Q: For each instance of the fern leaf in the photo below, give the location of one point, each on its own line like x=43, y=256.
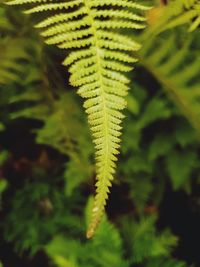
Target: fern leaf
x=189, y=12
x=178, y=13
x=11, y=51
x=180, y=80
x=97, y=65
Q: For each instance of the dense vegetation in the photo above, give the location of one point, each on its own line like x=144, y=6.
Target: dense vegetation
x=47, y=158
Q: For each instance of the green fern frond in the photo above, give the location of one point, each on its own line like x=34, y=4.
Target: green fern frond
x=11, y=52
x=188, y=12
x=180, y=80
x=143, y=242
x=180, y=12
x=97, y=65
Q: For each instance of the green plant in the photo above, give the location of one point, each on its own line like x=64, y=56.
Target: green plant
x=140, y=237
x=49, y=217
x=182, y=12
x=94, y=35
x=179, y=80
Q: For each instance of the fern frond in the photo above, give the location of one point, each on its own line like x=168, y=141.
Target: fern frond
x=180, y=12
x=11, y=52
x=97, y=65
x=178, y=74
x=188, y=11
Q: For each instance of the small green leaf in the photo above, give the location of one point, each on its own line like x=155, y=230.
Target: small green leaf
x=133, y=105
x=2, y=127
x=3, y=185
x=3, y=157
x=180, y=166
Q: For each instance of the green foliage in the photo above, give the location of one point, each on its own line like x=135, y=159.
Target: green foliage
x=51, y=215
x=67, y=252
x=3, y=187
x=96, y=67
x=140, y=238
x=37, y=99
x=182, y=12
x=147, y=161
x=175, y=13
x=3, y=157
x=3, y=183
x=180, y=166
x=144, y=243
x=42, y=208
x=181, y=81
x=62, y=122
x=11, y=67
x=166, y=263
x=62, y=118
x=15, y=50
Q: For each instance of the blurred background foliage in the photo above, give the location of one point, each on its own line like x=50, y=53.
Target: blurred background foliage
x=46, y=155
